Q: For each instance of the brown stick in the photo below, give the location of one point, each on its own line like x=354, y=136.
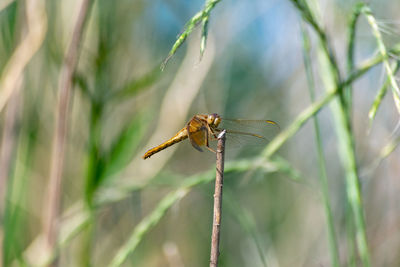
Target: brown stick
x=219, y=181
x=53, y=199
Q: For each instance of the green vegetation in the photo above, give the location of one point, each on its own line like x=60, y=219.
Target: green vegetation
x=90, y=81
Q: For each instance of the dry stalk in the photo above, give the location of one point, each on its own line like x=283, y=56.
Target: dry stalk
x=53, y=198
x=219, y=181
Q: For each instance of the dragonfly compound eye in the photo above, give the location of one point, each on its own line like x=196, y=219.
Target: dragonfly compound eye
x=210, y=119
x=217, y=120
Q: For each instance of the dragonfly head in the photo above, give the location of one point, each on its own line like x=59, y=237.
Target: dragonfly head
x=214, y=119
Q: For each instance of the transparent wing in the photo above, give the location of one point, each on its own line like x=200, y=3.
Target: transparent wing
x=247, y=135
x=252, y=124
x=257, y=130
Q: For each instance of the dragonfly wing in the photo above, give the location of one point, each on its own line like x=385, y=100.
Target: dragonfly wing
x=256, y=136
x=240, y=140
x=249, y=135
x=197, y=133
x=254, y=124
x=251, y=128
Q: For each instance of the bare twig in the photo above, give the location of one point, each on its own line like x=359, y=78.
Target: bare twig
x=219, y=181
x=52, y=210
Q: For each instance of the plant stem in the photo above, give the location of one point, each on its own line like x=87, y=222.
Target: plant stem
x=52, y=209
x=320, y=153
x=219, y=181
x=331, y=77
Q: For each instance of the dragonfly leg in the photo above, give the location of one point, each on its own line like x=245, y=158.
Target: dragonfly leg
x=212, y=133
x=212, y=150
x=213, y=136
x=208, y=136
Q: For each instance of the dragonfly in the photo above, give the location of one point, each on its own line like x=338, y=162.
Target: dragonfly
x=205, y=127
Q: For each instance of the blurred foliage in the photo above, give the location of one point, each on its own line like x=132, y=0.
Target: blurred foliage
x=122, y=210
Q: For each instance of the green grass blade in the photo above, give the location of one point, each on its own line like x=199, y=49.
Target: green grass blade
x=347, y=153
x=204, y=34
x=350, y=51
x=246, y=221
x=293, y=128
x=124, y=146
x=331, y=78
x=135, y=86
x=146, y=225
x=201, y=16
x=381, y=93
x=334, y=253
x=383, y=51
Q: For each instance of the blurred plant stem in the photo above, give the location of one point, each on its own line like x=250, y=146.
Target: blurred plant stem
x=5, y=3
x=331, y=77
x=380, y=94
x=203, y=17
x=313, y=109
x=366, y=11
x=93, y=178
x=8, y=144
x=94, y=168
x=53, y=199
x=335, y=258
x=7, y=156
x=246, y=220
x=350, y=64
x=87, y=239
x=36, y=27
x=22, y=44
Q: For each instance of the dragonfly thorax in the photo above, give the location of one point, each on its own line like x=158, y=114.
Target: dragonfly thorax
x=214, y=120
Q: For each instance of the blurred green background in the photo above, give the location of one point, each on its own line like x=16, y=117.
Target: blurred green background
x=121, y=104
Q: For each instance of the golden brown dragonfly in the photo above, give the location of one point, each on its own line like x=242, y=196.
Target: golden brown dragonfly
x=202, y=128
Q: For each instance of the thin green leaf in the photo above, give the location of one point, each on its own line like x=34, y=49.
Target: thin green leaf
x=331, y=78
x=381, y=93
x=383, y=51
x=323, y=177
x=350, y=51
x=389, y=148
x=201, y=16
x=124, y=147
x=147, y=224
x=300, y=120
x=133, y=87
x=204, y=33
x=246, y=221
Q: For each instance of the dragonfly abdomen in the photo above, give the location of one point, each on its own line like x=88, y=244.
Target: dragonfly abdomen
x=181, y=135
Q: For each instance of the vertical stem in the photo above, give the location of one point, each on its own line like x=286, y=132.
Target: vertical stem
x=219, y=180
x=53, y=198
x=354, y=195
x=320, y=153
x=7, y=154
x=341, y=112
x=7, y=148
x=350, y=53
